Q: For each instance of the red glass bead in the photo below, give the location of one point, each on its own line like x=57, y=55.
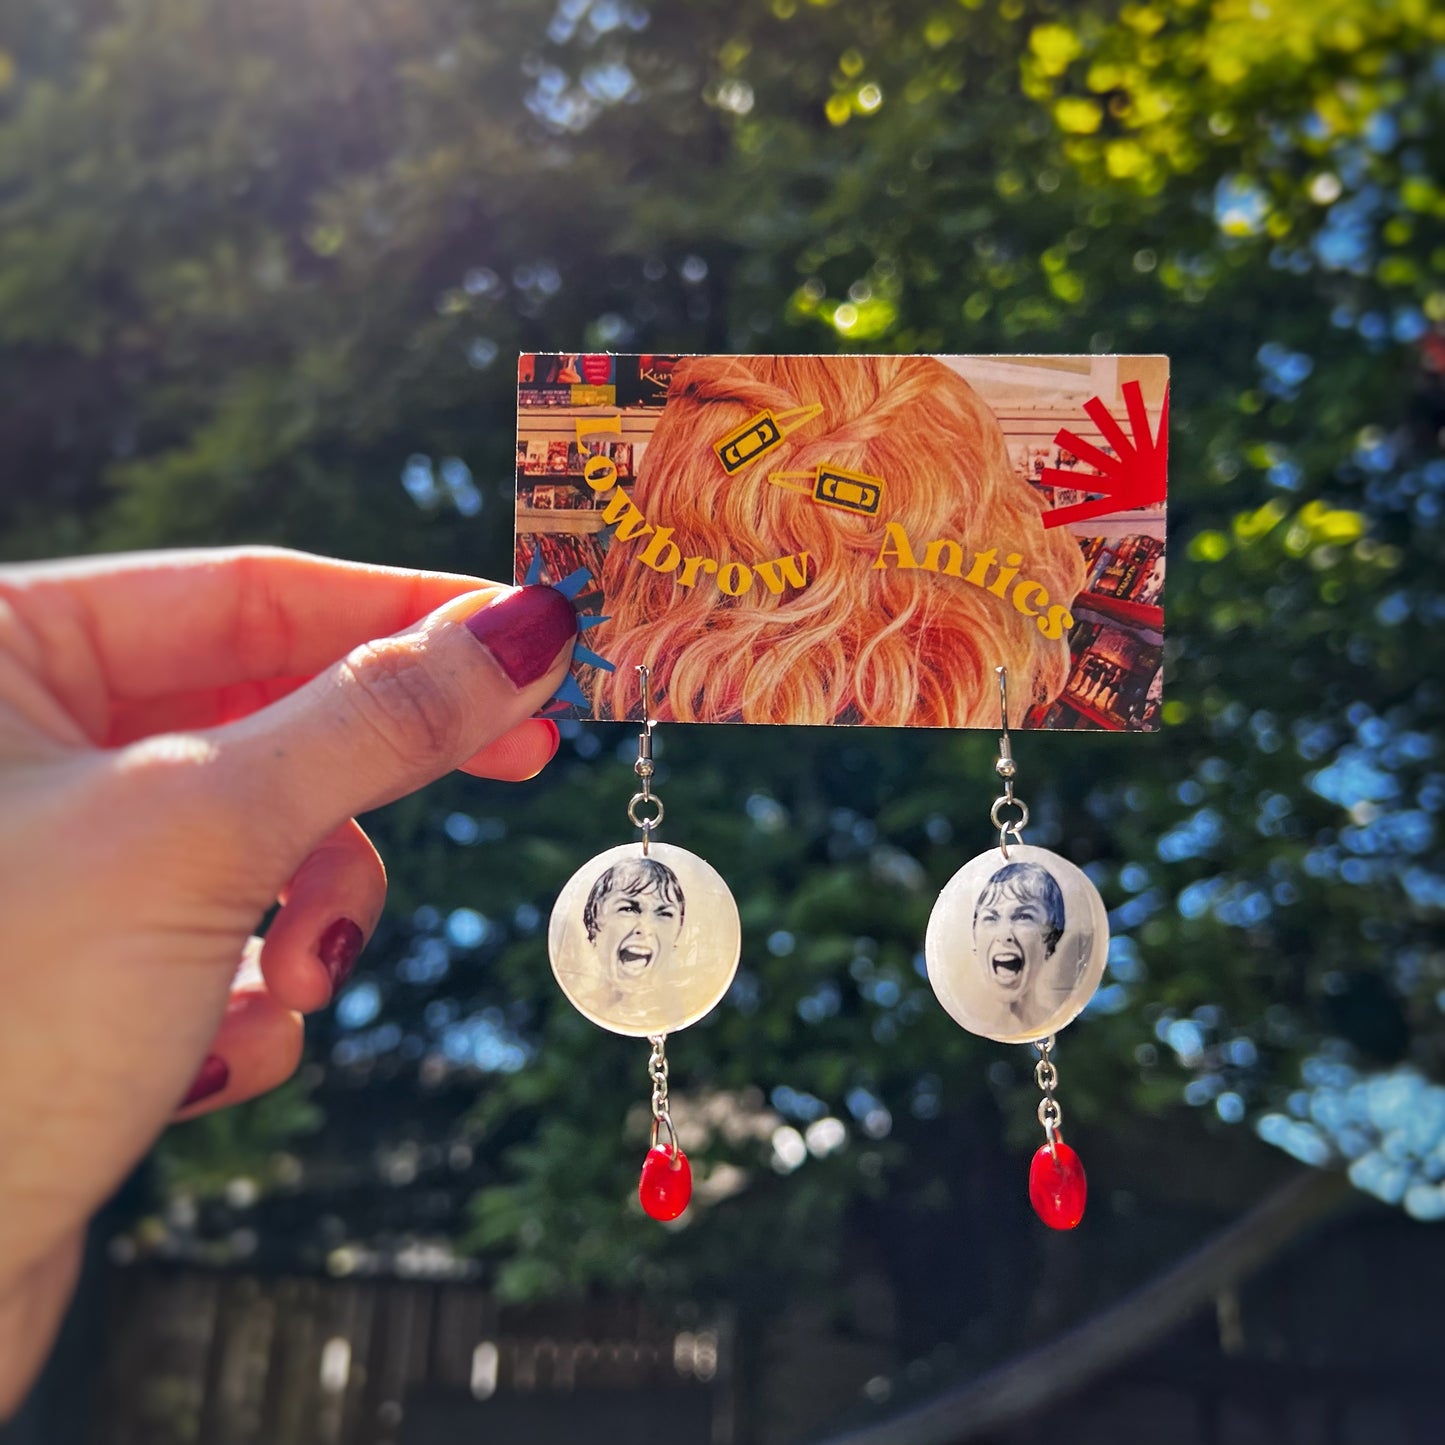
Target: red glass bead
x=666, y=1183
x=1057, y=1187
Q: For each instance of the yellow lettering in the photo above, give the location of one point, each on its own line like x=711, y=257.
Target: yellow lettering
x=630, y=522
x=944, y=555
x=982, y=561
x=1058, y=622
x=734, y=578
x=690, y=566
x=1006, y=574
x=587, y=425
x=937, y=551
x=662, y=553
x=1026, y=589
x=600, y=473
x=791, y=570
x=899, y=549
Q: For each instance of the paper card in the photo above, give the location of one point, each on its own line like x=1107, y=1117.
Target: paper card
x=858, y=540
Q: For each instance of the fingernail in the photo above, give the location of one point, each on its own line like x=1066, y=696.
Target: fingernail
x=213, y=1076
x=556, y=737
x=525, y=630
x=338, y=950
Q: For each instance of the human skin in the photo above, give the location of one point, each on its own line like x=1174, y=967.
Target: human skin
x=184, y=740
x=1010, y=938
x=636, y=932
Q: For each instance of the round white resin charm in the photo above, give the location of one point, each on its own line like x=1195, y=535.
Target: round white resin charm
x=645, y=945
x=1016, y=947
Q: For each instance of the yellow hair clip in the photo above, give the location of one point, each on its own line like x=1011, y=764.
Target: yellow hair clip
x=833, y=487
x=757, y=437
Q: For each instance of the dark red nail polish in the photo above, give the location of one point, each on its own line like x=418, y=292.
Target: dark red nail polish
x=339, y=949
x=213, y=1076
x=556, y=738
x=525, y=630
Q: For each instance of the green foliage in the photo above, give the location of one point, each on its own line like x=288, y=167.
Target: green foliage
x=257, y=263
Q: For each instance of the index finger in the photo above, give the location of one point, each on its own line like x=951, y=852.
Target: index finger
x=151, y=623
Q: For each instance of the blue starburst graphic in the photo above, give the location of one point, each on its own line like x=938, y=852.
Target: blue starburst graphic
x=570, y=693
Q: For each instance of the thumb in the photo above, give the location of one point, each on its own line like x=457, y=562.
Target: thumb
x=395, y=714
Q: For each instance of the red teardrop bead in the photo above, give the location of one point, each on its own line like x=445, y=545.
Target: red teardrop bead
x=666, y=1183
x=1057, y=1187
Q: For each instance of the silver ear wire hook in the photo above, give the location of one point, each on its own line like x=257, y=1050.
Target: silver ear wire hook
x=1007, y=769
x=644, y=677
x=643, y=767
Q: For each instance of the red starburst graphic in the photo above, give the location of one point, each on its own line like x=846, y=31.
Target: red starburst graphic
x=1136, y=476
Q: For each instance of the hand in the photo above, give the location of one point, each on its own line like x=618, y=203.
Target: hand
x=184, y=738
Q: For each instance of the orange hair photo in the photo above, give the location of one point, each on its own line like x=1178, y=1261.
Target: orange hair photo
x=822, y=540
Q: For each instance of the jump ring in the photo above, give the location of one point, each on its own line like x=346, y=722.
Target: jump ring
x=646, y=824
x=657, y=1122
x=995, y=815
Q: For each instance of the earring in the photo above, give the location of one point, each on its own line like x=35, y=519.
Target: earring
x=1015, y=948
x=644, y=940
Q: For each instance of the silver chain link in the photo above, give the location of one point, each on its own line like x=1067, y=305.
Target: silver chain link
x=1046, y=1076
x=661, y=1114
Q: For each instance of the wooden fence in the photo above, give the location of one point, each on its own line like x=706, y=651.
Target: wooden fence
x=195, y=1358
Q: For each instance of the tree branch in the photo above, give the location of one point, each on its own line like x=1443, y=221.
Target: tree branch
x=1033, y=1381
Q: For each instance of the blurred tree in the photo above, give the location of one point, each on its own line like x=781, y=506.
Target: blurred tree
x=262, y=271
